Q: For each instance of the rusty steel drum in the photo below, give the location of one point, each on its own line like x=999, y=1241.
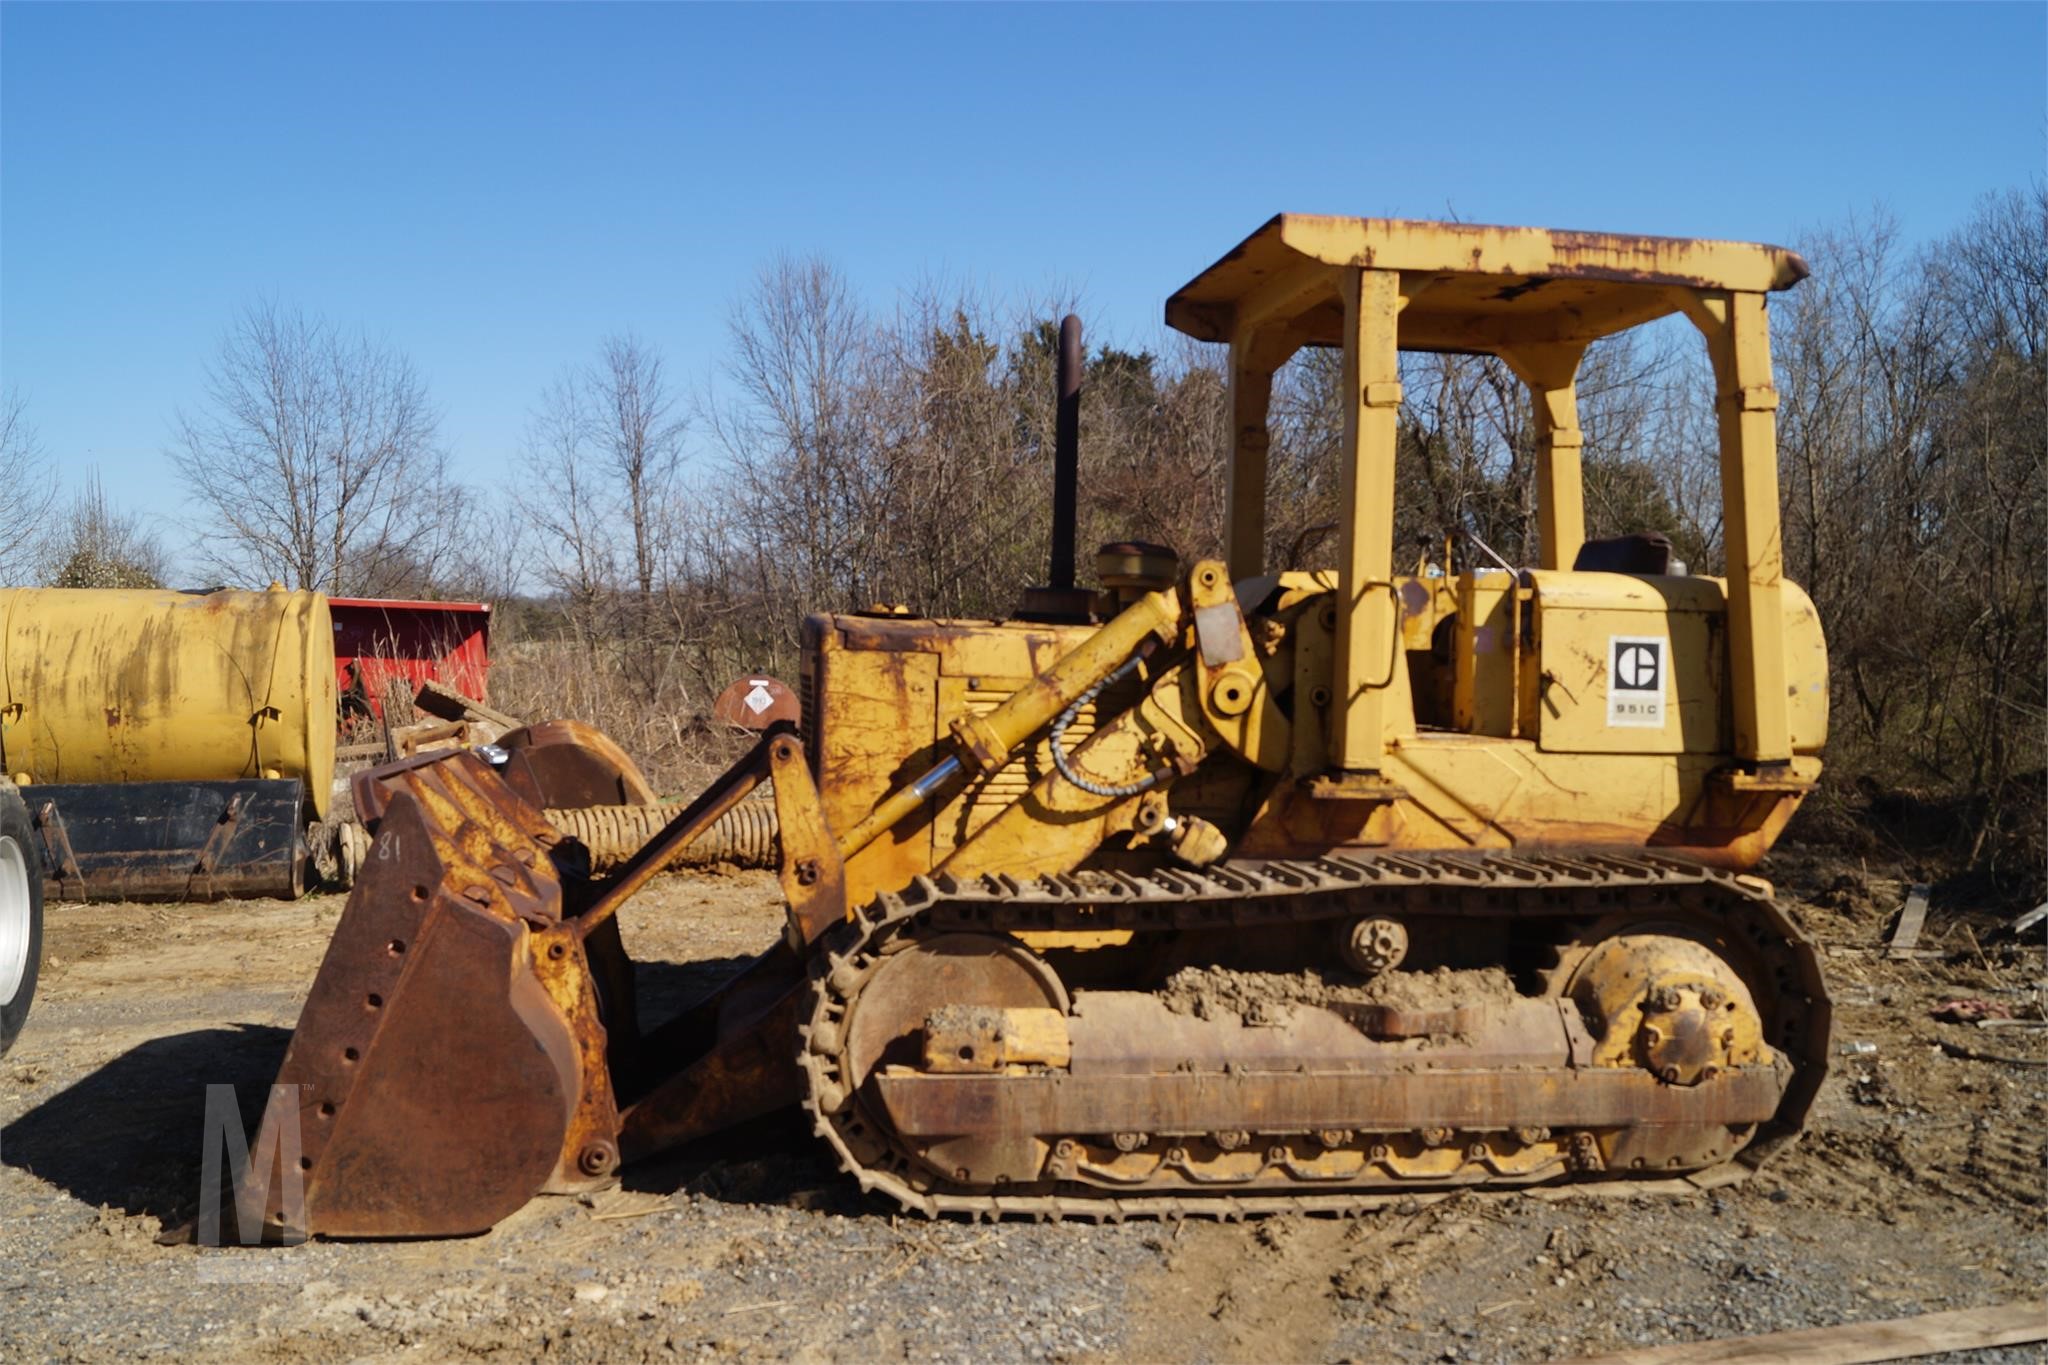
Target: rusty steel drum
x=755, y=702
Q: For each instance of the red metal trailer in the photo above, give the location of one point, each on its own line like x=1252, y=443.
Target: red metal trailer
x=377, y=640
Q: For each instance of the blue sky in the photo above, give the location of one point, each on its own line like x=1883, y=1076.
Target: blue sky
x=495, y=188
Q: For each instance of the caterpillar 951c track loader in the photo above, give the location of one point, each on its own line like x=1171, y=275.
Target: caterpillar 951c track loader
x=1223, y=890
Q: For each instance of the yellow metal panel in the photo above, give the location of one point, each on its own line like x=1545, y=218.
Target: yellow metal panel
x=965, y=649
x=1425, y=601
x=1575, y=649
x=876, y=710
x=1397, y=698
x=991, y=653
x=1629, y=592
x=1058, y=825
x=1483, y=693
x=1806, y=673
x=877, y=686
x=1006, y=651
x=1579, y=612
x=1285, y=295
x=1480, y=248
x=1465, y=784
x=110, y=685
x=1315, y=625
x=982, y=798
x=1468, y=313
x=1579, y=619
x=1508, y=793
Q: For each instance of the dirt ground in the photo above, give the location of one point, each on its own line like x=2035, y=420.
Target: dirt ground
x=1918, y=1188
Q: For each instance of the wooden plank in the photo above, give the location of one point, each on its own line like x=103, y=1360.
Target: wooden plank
x=1970, y=1054
x=1901, y=954
x=1910, y=920
x=438, y=699
x=2031, y=918
x=1967, y=1329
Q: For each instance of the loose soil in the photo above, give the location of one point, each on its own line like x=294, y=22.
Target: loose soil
x=1208, y=991
x=1919, y=1187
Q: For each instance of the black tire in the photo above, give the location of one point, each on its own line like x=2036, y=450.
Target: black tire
x=21, y=915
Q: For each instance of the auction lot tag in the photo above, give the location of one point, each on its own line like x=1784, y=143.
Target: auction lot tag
x=1635, y=680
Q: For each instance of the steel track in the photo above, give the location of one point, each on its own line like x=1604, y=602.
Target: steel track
x=1247, y=895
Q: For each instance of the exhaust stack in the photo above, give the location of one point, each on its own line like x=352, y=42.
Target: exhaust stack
x=1066, y=455
x=1060, y=600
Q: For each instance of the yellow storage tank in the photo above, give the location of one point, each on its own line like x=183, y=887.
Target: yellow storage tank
x=116, y=685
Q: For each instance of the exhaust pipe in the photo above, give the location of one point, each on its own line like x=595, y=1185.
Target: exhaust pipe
x=1066, y=456
x=1060, y=600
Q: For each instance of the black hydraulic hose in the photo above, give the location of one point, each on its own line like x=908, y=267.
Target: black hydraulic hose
x=1065, y=764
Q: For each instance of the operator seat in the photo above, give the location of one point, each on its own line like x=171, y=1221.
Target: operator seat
x=1646, y=552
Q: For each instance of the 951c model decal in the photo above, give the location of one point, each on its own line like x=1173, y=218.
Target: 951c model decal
x=1636, y=665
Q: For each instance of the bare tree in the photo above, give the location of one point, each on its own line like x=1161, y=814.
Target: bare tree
x=316, y=456
x=603, y=450
x=26, y=487
x=94, y=545
x=800, y=440
x=640, y=437
x=562, y=496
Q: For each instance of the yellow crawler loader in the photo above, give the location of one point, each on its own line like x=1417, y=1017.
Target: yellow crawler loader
x=1218, y=891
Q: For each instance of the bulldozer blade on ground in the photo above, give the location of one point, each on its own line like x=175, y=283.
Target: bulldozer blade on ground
x=464, y=1045
x=170, y=841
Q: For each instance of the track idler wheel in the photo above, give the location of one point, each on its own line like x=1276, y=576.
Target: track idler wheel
x=1679, y=1010
x=961, y=993
x=1670, y=1005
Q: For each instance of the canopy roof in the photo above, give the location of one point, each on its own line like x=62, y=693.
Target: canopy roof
x=1492, y=287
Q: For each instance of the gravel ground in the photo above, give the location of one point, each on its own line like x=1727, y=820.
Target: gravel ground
x=1919, y=1188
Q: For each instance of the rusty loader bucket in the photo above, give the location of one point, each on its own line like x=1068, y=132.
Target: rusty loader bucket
x=470, y=1040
